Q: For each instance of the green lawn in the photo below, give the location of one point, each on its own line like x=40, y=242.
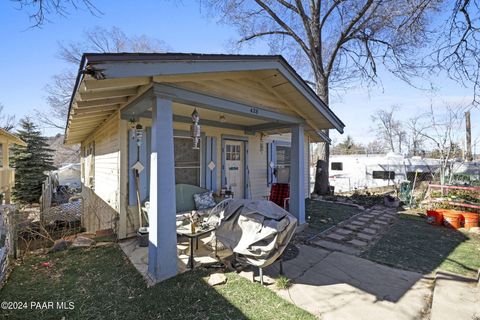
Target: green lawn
x=413, y=244
x=102, y=284
x=323, y=215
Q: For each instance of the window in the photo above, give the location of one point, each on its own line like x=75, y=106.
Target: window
x=89, y=165
x=282, y=170
x=384, y=175
x=232, y=152
x=336, y=166
x=283, y=157
x=419, y=176
x=187, y=161
x=1, y=155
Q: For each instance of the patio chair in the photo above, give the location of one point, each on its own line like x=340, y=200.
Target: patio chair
x=280, y=194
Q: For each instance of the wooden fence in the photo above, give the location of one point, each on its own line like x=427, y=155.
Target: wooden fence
x=46, y=197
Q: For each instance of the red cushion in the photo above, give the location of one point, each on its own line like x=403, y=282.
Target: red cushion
x=279, y=192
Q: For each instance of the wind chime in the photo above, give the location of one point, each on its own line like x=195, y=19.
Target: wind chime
x=195, y=129
x=137, y=135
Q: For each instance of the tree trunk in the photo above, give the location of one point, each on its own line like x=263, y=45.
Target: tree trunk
x=323, y=148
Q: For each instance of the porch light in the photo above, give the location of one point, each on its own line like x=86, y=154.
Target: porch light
x=195, y=129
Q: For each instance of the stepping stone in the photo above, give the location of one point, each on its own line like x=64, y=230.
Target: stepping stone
x=368, y=215
x=381, y=222
x=358, y=223
x=337, y=247
x=343, y=231
x=358, y=243
x=363, y=219
x=370, y=230
x=377, y=226
x=352, y=227
x=336, y=236
x=385, y=217
x=365, y=236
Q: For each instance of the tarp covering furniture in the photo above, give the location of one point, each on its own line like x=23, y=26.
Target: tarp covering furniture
x=256, y=230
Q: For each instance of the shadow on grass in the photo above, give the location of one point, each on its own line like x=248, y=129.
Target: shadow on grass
x=414, y=245
x=323, y=215
x=102, y=284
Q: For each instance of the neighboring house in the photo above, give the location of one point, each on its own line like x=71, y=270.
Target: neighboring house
x=7, y=174
x=257, y=119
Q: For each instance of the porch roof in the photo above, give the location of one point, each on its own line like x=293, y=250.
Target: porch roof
x=11, y=138
x=233, y=84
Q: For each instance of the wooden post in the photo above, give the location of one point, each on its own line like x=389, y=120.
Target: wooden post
x=468, y=128
x=297, y=174
x=6, y=167
x=162, y=248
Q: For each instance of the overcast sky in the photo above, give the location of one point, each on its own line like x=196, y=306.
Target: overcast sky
x=29, y=59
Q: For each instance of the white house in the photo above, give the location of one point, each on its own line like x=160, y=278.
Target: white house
x=256, y=114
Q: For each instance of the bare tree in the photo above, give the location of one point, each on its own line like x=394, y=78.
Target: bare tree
x=335, y=42
x=458, y=45
x=41, y=9
x=443, y=134
x=389, y=129
x=416, y=128
x=96, y=40
x=7, y=122
x=375, y=147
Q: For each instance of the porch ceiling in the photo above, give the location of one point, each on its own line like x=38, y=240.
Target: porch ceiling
x=110, y=83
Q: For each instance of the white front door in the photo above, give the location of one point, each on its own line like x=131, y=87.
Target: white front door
x=234, y=167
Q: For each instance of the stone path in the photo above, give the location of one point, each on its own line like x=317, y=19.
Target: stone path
x=356, y=234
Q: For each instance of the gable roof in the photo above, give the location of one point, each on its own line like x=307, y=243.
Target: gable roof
x=129, y=73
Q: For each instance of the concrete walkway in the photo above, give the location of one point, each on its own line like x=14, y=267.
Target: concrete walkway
x=334, y=285
x=455, y=297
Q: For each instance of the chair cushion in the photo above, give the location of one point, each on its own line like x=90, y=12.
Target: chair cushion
x=204, y=200
x=279, y=192
x=184, y=196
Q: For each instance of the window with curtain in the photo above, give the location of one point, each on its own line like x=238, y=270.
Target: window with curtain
x=187, y=161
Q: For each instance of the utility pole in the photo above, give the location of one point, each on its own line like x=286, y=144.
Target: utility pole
x=468, y=128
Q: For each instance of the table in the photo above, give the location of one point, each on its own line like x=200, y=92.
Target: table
x=185, y=231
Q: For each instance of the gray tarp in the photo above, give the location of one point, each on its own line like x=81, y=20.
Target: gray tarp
x=257, y=230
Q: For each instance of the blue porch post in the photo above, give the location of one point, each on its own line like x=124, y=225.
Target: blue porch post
x=162, y=248
x=297, y=174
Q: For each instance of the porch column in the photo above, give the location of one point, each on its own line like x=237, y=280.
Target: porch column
x=297, y=174
x=6, y=167
x=162, y=248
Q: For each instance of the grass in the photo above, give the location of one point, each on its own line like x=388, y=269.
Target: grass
x=102, y=284
x=413, y=244
x=323, y=215
x=282, y=283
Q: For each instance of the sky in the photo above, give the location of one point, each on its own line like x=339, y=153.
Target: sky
x=29, y=59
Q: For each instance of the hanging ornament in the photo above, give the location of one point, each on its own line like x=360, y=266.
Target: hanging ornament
x=195, y=129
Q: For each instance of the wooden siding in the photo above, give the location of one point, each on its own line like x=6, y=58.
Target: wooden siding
x=106, y=177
